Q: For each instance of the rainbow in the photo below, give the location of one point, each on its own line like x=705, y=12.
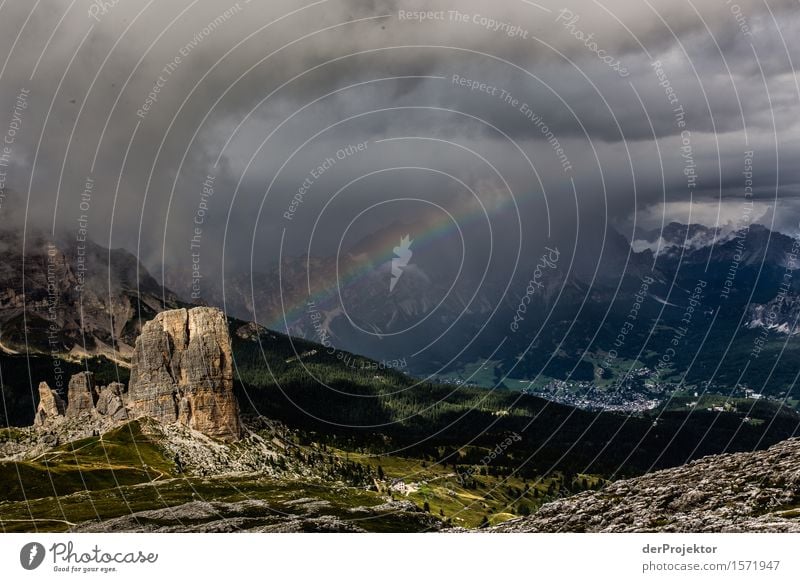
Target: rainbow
x=380, y=253
x=432, y=229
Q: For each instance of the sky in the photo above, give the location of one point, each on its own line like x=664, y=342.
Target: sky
x=216, y=137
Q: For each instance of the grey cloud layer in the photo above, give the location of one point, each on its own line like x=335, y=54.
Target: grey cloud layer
x=713, y=55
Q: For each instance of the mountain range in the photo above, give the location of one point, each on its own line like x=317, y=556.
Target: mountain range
x=455, y=329
x=326, y=434
x=69, y=297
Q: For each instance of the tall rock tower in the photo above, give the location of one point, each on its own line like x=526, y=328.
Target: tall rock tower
x=182, y=371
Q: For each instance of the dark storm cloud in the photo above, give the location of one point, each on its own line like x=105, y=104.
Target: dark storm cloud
x=619, y=131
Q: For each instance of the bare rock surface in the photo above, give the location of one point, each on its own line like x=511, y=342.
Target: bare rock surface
x=743, y=492
x=182, y=371
x=89, y=411
x=110, y=401
x=197, y=454
x=30, y=442
x=257, y=515
x=81, y=395
x=51, y=405
x=220, y=517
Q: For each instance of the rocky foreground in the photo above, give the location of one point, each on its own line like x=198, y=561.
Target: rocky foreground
x=303, y=515
x=744, y=492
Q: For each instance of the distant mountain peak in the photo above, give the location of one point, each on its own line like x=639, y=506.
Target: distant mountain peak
x=94, y=297
x=676, y=235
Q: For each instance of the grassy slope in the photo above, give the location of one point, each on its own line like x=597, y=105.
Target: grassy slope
x=123, y=456
x=125, y=471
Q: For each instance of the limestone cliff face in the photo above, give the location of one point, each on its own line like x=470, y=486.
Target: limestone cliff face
x=81, y=394
x=51, y=406
x=86, y=403
x=182, y=371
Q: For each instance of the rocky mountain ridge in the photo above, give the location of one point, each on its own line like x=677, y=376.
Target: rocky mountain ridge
x=742, y=492
x=73, y=298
